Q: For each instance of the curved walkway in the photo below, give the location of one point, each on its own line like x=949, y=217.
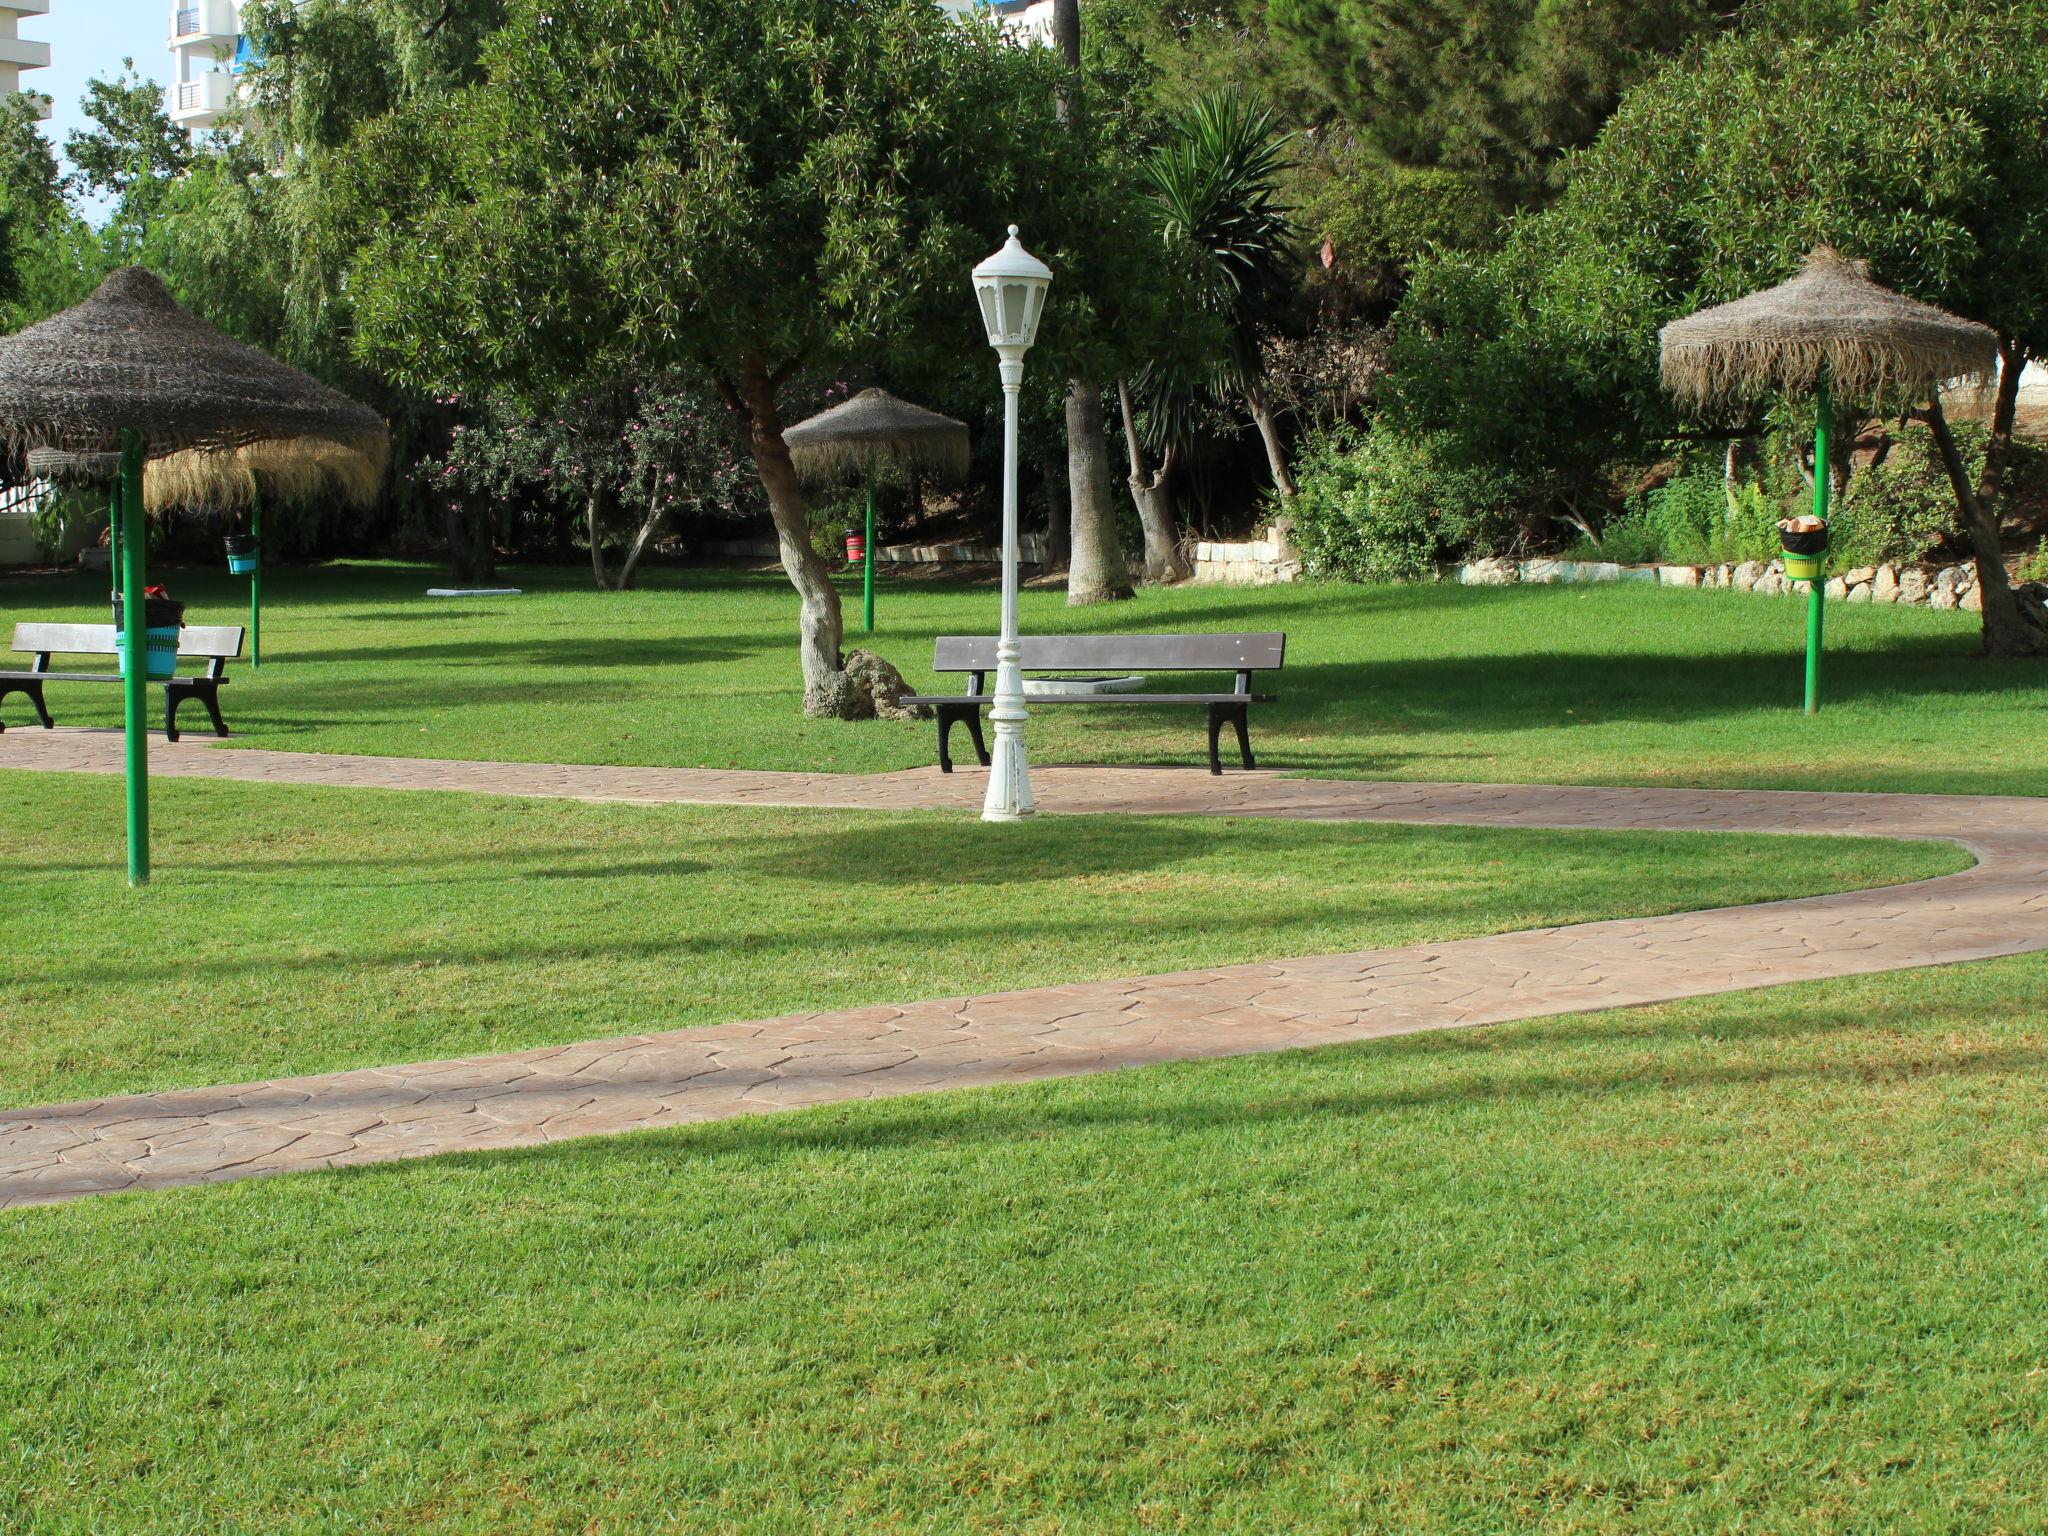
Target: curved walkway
x=2000, y=907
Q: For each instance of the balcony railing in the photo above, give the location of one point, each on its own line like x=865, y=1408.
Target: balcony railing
x=187, y=21
x=189, y=95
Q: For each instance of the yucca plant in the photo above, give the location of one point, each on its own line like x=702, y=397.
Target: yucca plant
x=1216, y=182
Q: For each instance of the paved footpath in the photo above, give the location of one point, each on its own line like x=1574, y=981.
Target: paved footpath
x=144, y=1141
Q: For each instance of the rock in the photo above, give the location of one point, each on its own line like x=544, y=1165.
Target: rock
x=1838, y=588
x=1746, y=575
x=1490, y=572
x=1678, y=575
x=1861, y=575
x=1550, y=572
x=1770, y=584
x=1948, y=578
x=1860, y=594
x=1941, y=599
x=1912, y=586
x=1972, y=601
x=868, y=689
x=1884, y=587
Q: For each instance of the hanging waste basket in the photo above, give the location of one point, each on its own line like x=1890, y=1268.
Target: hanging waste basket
x=162, y=620
x=1805, y=542
x=856, y=546
x=241, y=553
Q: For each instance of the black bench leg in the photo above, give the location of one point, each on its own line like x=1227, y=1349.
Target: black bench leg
x=968, y=715
x=1235, y=715
x=172, y=699
x=210, y=697
x=33, y=692
x=1216, y=714
x=1244, y=736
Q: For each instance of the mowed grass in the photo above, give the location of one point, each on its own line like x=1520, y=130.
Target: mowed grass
x=294, y=929
x=1621, y=684
x=1769, y=1262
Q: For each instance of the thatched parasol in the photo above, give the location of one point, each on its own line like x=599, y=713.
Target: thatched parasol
x=844, y=442
x=1828, y=324
x=1828, y=331
x=130, y=358
x=130, y=373
x=841, y=442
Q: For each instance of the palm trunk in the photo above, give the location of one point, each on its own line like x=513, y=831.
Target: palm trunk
x=1097, y=571
x=1152, y=492
x=2012, y=627
x=818, y=619
x=1269, y=434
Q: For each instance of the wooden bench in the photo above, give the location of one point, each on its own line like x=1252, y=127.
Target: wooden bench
x=216, y=645
x=1116, y=655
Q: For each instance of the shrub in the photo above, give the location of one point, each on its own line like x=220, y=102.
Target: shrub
x=1389, y=506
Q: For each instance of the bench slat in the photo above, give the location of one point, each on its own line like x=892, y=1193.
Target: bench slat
x=211, y=642
x=1032, y=701
x=1258, y=652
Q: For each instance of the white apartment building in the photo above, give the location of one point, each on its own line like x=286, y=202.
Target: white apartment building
x=17, y=52
x=208, y=53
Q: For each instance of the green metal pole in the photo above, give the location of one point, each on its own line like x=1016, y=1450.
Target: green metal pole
x=256, y=576
x=1816, y=590
x=135, y=654
x=867, y=578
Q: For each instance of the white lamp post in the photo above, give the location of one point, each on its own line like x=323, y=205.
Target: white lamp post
x=1010, y=287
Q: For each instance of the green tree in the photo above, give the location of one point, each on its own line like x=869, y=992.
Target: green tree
x=132, y=145
x=1916, y=141
x=743, y=191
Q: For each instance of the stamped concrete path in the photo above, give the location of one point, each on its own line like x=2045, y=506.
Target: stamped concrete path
x=2000, y=907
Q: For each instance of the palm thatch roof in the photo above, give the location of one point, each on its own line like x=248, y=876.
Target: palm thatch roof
x=1830, y=320
x=837, y=444
x=129, y=357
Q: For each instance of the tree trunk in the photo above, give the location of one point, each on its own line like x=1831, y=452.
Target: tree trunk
x=641, y=538
x=461, y=564
x=1097, y=571
x=2013, y=626
x=1152, y=491
x=818, y=618
x=1269, y=434
x=593, y=524
x=1059, y=512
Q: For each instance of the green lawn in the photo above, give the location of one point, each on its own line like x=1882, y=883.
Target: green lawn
x=1771, y=1262
x=1609, y=684
x=292, y=929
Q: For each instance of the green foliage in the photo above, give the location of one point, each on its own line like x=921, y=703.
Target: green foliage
x=2034, y=566
x=1915, y=140
x=1494, y=88
x=1382, y=506
x=648, y=185
x=132, y=145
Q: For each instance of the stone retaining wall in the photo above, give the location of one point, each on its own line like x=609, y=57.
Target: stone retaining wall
x=1948, y=586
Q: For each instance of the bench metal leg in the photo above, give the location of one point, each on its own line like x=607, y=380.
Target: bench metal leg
x=968, y=715
x=33, y=692
x=1235, y=715
x=178, y=692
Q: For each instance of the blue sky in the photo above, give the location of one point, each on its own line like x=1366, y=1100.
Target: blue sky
x=91, y=37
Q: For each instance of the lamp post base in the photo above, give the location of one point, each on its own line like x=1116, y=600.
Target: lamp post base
x=1009, y=777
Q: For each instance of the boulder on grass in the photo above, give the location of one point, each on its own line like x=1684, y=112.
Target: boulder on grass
x=868, y=688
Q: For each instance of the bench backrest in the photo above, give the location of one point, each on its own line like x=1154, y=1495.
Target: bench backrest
x=214, y=642
x=1117, y=653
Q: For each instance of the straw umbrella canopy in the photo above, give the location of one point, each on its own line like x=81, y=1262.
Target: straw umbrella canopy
x=1828, y=325
x=841, y=442
x=129, y=358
